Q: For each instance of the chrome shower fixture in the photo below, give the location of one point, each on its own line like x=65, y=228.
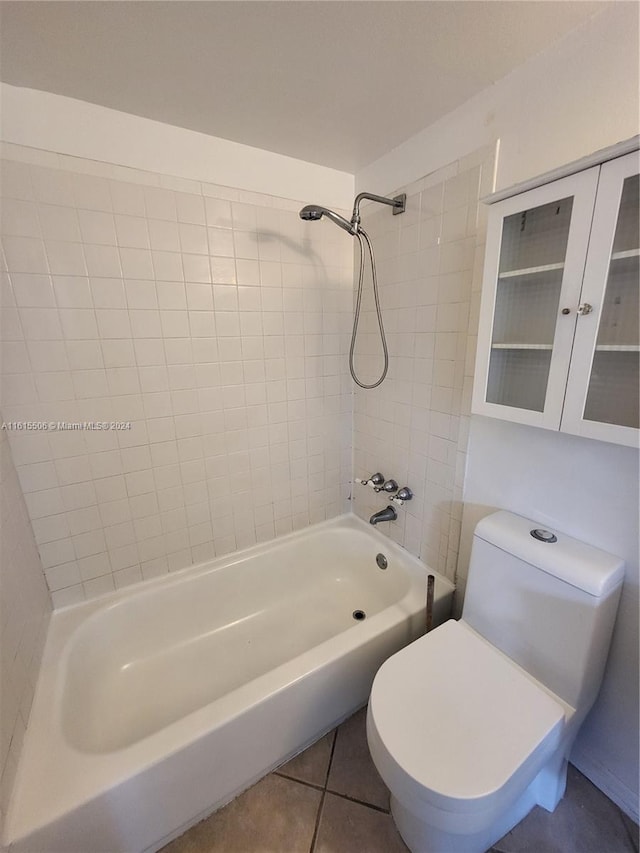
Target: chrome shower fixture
x=398, y=203
x=313, y=212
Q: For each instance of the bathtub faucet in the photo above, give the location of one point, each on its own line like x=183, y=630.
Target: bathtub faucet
x=387, y=514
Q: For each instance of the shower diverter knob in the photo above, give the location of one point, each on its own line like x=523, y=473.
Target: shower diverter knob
x=390, y=486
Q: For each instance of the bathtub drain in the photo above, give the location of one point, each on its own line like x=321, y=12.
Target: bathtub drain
x=359, y=615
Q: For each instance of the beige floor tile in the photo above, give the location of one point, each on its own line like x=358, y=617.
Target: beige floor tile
x=275, y=816
x=352, y=771
x=278, y=815
x=348, y=827
x=312, y=764
x=585, y=821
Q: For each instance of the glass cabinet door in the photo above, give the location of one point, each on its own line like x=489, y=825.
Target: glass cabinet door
x=532, y=257
x=536, y=245
x=603, y=394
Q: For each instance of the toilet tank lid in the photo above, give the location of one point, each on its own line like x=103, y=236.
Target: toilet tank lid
x=594, y=571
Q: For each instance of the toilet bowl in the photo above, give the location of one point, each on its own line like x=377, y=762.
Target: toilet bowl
x=467, y=726
x=449, y=703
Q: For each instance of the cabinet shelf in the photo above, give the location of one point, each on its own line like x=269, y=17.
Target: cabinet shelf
x=618, y=348
x=530, y=271
x=523, y=346
x=629, y=253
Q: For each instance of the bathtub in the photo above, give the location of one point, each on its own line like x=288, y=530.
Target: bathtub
x=160, y=703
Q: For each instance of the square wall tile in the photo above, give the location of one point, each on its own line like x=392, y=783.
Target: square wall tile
x=165, y=308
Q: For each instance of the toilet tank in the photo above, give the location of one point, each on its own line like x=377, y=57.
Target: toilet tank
x=549, y=605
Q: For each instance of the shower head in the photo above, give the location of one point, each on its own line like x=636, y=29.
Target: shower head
x=313, y=212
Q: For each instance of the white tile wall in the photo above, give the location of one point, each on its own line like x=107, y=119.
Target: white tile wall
x=25, y=608
x=414, y=427
x=213, y=320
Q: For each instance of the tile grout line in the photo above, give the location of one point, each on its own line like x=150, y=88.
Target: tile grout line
x=333, y=749
x=324, y=794
x=346, y=796
x=317, y=826
x=299, y=781
x=359, y=802
x=315, y=787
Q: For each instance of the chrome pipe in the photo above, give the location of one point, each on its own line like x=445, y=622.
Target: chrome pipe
x=398, y=203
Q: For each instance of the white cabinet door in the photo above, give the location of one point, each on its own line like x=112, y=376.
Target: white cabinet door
x=536, y=248
x=602, y=394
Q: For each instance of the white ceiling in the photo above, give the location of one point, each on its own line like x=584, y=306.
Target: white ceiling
x=337, y=83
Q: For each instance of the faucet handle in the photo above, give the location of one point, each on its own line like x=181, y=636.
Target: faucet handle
x=390, y=486
x=373, y=481
x=403, y=495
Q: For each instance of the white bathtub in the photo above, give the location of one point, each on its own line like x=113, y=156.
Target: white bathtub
x=158, y=704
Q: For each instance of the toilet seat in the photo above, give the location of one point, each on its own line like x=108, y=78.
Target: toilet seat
x=455, y=725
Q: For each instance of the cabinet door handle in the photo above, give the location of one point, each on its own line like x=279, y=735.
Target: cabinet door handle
x=566, y=311
x=585, y=309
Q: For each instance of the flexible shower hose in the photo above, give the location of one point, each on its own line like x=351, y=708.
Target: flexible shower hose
x=360, y=234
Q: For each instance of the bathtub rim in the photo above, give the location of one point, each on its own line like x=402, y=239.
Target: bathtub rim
x=118, y=765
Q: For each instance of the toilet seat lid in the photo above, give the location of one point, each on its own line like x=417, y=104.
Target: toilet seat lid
x=457, y=717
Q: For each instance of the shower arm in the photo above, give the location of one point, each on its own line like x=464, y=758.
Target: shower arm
x=398, y=203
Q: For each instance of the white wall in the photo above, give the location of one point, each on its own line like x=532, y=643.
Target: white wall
x=414, y=427
x=578, y=96
x=56, y=123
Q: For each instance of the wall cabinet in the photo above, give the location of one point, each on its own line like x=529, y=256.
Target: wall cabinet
x=558, y=342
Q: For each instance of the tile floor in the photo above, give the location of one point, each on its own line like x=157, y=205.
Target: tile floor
x=330, y=799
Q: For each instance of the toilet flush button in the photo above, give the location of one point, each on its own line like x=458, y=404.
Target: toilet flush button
x=544, y=535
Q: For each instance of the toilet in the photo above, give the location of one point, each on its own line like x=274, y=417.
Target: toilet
x=471, y=725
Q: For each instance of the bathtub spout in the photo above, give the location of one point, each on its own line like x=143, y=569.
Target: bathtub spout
x=388, y=514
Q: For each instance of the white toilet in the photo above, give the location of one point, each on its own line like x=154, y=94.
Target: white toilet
x=471, y=725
